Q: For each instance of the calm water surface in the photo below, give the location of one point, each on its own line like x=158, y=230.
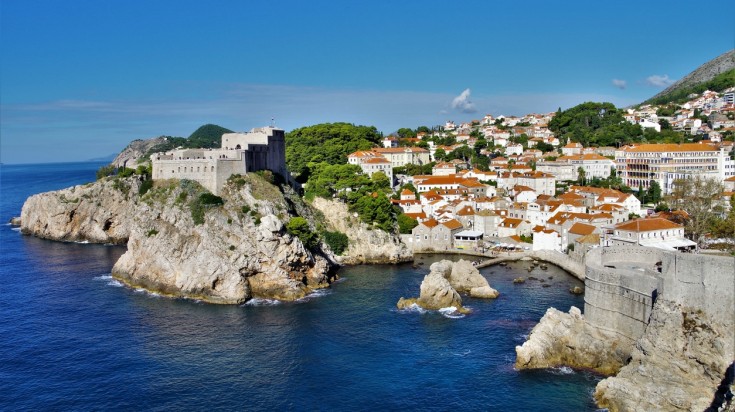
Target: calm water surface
x=71, y=338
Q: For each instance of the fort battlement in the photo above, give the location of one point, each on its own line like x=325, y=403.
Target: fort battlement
x=623, y=282
x=260, y=149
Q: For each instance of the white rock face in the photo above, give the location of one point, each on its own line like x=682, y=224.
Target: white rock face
x=233, y=256
x=99, y=212
x=676, y=366
x=564, y=339
x=365, y=245
x=440, y=287
x=437, y=293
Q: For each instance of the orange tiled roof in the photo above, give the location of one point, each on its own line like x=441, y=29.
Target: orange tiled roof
x=581, y=229
x=647, y=225
x=667, y=147
x=453, y=224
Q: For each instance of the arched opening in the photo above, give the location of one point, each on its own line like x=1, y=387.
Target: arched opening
x=238, y=147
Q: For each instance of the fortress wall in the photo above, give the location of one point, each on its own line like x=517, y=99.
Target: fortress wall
x=623, y=282
x=204, y=171
x=703, y=282
x=618, y=300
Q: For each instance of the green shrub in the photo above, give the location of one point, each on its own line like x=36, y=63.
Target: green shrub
x=145, y=187
x=337, y=241
x=151, y=232
x=299, y=227
x=209, y=199
x=105, y=171
x=246, y=209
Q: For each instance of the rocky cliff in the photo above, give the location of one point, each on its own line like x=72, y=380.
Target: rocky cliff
x=185, y=244
x=677, y=365
x=135, y=150
x=98, y=212
x=366, y=245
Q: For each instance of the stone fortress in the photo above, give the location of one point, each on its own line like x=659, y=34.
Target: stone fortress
x=261, y=148
x=622, y=284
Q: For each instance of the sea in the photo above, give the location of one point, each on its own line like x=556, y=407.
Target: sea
x=74, y=339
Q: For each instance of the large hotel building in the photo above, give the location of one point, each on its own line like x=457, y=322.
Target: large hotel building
x=664, y=163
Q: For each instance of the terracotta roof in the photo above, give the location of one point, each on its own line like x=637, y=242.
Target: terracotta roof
x=466, y=211
x=407, y=192
x=511, y=222
x=430, y=223
x=378, y=159
x=591, y=239
x=416, y=216
x=453, y=224
x=730, y=179
x=684, y=147
x=581, y=229
x=647, y=225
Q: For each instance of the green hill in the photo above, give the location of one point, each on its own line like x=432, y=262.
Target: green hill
x=208, y=136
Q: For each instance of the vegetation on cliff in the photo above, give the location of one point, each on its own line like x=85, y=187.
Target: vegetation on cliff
x=327, y=142
x=680, y=95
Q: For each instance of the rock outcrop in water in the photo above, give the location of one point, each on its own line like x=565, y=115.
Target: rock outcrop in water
x=441, y=287
x=676, y=366
x=662, y=322
x=564, y=339
x=180, y=246
x=99, y=212
x=366, y=245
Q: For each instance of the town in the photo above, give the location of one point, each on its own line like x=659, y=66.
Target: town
x=518, y=183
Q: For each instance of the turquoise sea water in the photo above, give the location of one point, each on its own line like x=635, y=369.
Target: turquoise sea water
x=71, y=338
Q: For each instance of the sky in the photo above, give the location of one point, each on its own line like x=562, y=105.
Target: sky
x=81, y=79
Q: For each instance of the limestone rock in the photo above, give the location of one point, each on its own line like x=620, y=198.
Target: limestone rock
x=404, y=303
x=564, y=339
x=484, y=292
x=366, y=245
x=437, y=293
x=100, y=212
x=676, y=366
x=465, y=278
x=136, y=150
x=229, y=258
x=15, y=221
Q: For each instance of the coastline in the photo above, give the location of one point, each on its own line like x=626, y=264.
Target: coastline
x=574, y=268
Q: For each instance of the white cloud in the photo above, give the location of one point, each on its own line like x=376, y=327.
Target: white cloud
x=620, y=84
x=463, y=103
x=659, y=81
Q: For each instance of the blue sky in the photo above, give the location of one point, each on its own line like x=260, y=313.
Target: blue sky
x=81, y=79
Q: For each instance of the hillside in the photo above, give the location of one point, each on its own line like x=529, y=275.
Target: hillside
x=717, y=74
x=208, y=136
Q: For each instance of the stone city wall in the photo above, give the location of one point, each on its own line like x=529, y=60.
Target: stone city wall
x=623, y=282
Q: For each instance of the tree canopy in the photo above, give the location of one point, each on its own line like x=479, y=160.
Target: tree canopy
x=594, y=124
x=326, y=142
x=207, y=136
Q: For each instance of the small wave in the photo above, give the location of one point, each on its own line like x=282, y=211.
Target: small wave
x=15, y=229
x=451, y=313
x=562, y=370
x=110, y=281
x=313, y=295
x=262, y=302
x=463, y=354
x=413, y=308
x=82, y=242
x=147, y=292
